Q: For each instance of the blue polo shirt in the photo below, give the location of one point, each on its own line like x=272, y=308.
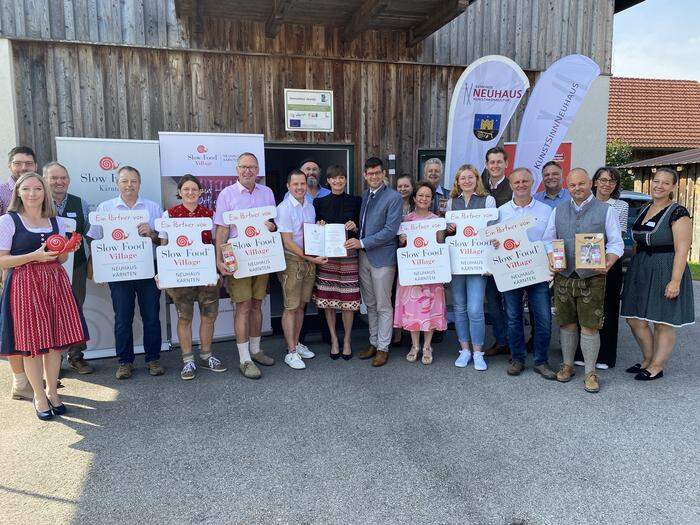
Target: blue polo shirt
x=563, y=195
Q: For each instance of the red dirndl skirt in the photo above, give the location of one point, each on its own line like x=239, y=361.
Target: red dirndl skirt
x=45, y=315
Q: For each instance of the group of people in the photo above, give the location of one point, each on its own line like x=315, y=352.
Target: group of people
x=42, y=315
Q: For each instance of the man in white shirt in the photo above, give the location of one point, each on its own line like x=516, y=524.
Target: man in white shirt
x=523, y=204
x=298, y=278
x=579, y=293
x=124, y=293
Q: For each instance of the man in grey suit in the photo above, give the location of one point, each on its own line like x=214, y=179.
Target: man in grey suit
x=380, y=218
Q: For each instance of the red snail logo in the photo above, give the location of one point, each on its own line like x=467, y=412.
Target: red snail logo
x=108, y=164
x=201, y=149
x=510, y=244
x=183, y=241
x=251, y=231
x=56, y=243
x=469, y=231
x=119, y=235
x=420, y=242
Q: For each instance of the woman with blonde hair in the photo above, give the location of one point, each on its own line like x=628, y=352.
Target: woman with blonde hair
x=40, y=316
x=468, y=193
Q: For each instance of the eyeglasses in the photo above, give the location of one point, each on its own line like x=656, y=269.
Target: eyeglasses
x=248, y=168
x=606, y=181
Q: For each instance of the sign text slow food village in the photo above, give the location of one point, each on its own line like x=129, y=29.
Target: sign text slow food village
x=467, y=246
x=423, y=260
x=121, y=254
x=185, y=260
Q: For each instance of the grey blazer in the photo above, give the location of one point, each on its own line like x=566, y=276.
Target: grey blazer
x=379, y=226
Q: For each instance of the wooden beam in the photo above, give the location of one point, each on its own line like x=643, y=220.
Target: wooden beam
x=449, y=11
x=362, y=18
x=185, y=8
x=276, y=18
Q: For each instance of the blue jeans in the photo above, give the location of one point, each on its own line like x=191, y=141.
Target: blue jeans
x=539, y=302
x=468, y=297
x=497, y=313
x=123, y=301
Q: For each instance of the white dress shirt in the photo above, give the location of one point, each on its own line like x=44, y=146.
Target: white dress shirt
x=155, y=211
x=539, y=211
x=614, y=243
x=291, y=217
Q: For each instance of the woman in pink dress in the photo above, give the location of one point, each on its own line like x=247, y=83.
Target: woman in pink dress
x=421, y=308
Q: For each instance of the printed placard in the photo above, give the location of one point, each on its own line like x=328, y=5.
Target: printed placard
x=468, y=247
x=423, y=260
x=258, y=251
x=517, y=262
x=121, y=254
x=185, y=260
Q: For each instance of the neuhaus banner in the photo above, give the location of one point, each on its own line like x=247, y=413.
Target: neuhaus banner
x=483, y=102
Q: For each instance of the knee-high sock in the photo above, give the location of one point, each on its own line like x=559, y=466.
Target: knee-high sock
x=590, y=345
x=569, y=342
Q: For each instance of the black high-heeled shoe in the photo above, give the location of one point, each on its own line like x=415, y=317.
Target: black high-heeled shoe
x=634, y=369
x=347, y=357
x=43, y=415
x=58, y=410
x=334, y=356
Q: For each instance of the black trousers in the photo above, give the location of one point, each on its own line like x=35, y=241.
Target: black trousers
x=611, y=319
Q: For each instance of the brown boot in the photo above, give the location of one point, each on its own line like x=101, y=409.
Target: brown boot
x=590, y=383
x=497, y=349
x=380, y=358
x=515, y=368
x=566, y=372
x=368, y=352
x=545, y=371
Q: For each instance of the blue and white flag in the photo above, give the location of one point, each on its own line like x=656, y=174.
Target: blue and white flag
x=482, y=104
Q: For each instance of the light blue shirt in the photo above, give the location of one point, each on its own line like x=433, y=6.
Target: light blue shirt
x=553, y=202
x=540, y=213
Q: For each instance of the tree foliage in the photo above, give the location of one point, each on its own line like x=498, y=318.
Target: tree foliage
x=617, y=153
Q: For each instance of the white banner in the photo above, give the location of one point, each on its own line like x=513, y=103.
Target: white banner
x=92, y=166
x=212, y=158
x=550, y=110
x=483, y=102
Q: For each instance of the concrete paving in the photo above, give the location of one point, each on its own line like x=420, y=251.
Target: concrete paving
x=342, y=442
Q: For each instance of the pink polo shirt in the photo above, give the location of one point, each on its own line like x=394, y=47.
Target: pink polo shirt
x=237, y=197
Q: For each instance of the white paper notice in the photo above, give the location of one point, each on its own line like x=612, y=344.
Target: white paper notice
x=185, y=260
x=325, y=241
x=423, y=260
x=258, y=251
x=468, y=246
x=517, y=262
x=121, y=254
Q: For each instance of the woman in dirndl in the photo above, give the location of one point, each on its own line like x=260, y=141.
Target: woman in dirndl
x=337, y=282
x=40, y=316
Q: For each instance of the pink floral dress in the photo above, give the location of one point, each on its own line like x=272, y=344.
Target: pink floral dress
x=420, y=307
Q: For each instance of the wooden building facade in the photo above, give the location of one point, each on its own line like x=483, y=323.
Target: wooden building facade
x=132, y=68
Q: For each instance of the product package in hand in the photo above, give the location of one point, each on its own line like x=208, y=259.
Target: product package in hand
x=58, y=243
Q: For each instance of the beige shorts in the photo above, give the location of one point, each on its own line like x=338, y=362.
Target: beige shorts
x=297, y=281
x=242, y=290
x=184, y=298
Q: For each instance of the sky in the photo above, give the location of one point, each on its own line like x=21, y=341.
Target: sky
x=658, y=39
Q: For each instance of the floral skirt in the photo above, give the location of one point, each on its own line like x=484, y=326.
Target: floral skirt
x=420, y=307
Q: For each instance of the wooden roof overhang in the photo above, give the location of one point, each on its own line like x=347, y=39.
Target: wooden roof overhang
x=417, y=18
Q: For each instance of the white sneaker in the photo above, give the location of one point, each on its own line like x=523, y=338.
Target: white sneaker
x=294, y=361
x=579, y=363
x=304, y=351
x=479, y=361
x=464, y=357
x=601, y=366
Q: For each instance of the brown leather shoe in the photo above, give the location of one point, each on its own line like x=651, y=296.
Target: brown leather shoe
x=368, y=352
x=545, y=371
x=566, y=372
x=497, y=349
x=515, y=368
x=590, y=383
x=380, y=358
